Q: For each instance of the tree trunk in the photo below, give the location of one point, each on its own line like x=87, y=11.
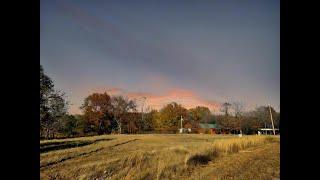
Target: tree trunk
x=101, y=129
x=47, y=134
x=119, y=125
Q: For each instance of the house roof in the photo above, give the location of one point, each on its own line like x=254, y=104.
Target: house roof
x=207, y=126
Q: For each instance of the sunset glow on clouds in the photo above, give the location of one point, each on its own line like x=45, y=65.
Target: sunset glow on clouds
x=159, y=92
x=186, y=98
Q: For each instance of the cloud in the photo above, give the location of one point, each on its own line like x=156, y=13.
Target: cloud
x=156, y=100
x=187, y=98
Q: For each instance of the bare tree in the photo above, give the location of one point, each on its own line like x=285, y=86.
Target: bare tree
x=225, y=108
x=238, y=109
x=120, y=107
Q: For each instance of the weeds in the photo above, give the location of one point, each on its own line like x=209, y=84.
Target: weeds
x=228, y=146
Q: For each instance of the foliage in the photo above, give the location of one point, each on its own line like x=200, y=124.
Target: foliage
x=227, y=122
x=72, y=125
x=263, y=115
x=170, y=115
x=97, y=108
x=148, y=121
x=121, y=106
x=53, y=106
x=200, y=114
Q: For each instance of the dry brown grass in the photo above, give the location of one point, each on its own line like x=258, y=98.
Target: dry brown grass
x=222, y=147
x=145, y=156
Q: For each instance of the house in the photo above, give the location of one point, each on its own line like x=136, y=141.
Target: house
x=208, y=128
x=186, y=128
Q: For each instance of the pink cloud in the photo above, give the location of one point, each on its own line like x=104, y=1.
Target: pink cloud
x=188, y=99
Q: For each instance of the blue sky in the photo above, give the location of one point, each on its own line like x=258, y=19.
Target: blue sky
x=213, y=51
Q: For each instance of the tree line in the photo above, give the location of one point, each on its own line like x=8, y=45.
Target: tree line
x=105, y=114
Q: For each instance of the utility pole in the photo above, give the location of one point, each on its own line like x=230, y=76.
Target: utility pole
x=274, y=132
x=181, y=129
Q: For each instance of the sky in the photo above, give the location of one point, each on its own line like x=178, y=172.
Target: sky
x=194, y=52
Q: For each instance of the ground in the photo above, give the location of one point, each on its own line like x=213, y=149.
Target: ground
x=177, y=156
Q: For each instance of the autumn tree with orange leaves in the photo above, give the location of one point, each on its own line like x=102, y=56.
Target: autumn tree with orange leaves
x=97, y=112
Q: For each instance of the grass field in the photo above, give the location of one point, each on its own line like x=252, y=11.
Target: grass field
x=186, y=156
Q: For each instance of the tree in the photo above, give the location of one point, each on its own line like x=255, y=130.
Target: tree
x=200, y=114
x=97, y=110
x=149, y=122
x=226, y=122
x=130, y=122
x=238, y=108
x=69, y=125
x=141, y=122
x=250, y=124
x=52, y=106
x=238, y=112
x=58, y=109
x=170, y=115
x=212, y=119
x=80, y=124
x=120, y=107
x=225, y=108
x=73, y=125
x=156, y=119
x=46, y=87
x=263, y=115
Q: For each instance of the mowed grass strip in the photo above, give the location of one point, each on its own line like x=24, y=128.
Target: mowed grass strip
x=89, y=138
x=57, y=156
x=51, y=146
